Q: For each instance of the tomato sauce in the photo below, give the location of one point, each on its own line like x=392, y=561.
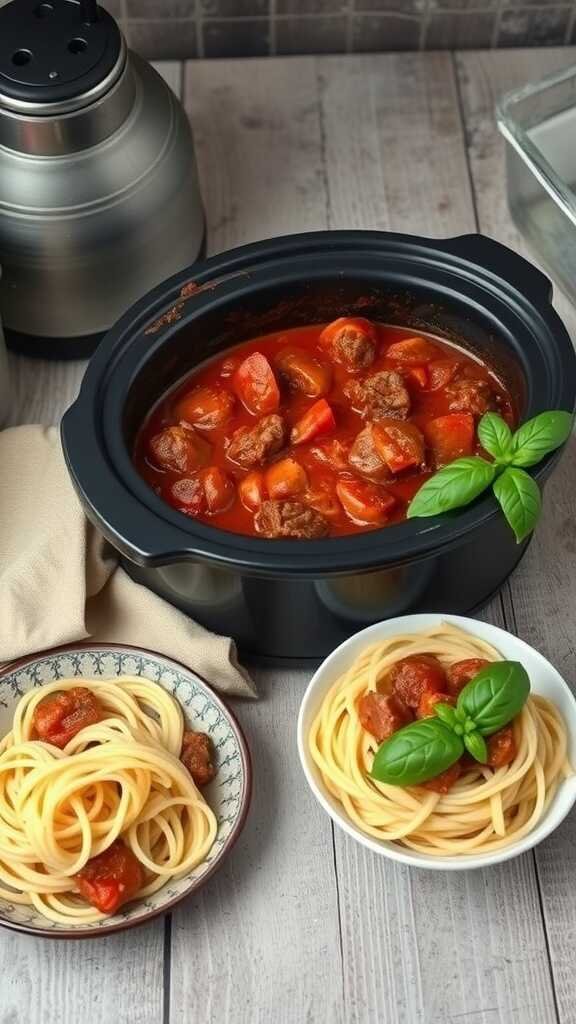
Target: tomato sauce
x=242, y=392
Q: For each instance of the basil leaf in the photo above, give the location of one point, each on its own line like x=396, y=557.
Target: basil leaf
x=539, y=436
x=453, y=486
x=519, y=497
x=476, y=745
x=495, y=436
x=416, y=753
x=495, y=696
x=446, y=713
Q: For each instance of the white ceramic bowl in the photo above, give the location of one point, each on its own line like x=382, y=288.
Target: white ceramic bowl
x=228, y=794
x=545, y=680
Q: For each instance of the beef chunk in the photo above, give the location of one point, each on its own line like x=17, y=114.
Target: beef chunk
x=252, y=446
x=501, y=747
x=383, y=394
x=382, y=715
x=364, y=457
x=289, y=519
x=179, y=449
x=350, y=341
x=474, y=396
x=353, y=348
x=198, y=757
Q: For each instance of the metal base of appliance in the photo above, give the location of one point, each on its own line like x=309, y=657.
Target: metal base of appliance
x=52, y=348
x=82, y=347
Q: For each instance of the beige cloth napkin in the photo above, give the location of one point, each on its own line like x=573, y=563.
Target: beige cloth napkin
x=60, y=581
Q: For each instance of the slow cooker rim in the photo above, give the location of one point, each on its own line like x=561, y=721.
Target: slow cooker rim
x=189, y=539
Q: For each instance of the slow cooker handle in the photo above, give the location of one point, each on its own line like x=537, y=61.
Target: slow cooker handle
x=501, y=260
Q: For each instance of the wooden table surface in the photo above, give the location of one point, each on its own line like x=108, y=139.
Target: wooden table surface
x=301, y=924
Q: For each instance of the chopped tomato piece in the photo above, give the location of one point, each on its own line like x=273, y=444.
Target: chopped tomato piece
x=462, y=672
x=206, y=408
x=198, y=757
x=417, y=375
x=255, y=384
x=285, y=478
x=427, y=701
x=61, y=717
x=399, y=444
x=411, y=677
x=441, y=372
x=413, y=350
x=219, y=490
x=319, y=419
x=350, y=341
x=252, y=490
x=501, y=747
x=303, y=372
x=382, y=715
x=450, y=437
x=111, y=879
x=443, y=783
x=365, y=503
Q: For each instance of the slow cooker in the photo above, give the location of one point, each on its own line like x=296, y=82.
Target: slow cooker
x=289, y=600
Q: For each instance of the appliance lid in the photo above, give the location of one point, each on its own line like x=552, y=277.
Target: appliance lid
x=57, y=55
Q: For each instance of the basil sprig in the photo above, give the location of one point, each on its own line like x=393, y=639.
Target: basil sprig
x=517, y=493
x=495, y=696
x=416, y=753
x=422, y=750
x=520, y=500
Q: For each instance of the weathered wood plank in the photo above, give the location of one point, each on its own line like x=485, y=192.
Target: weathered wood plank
x=118, y=978
x=417, y=946
x=263, y=936
x=541, y=596
x=395, y=158
x=258, y=137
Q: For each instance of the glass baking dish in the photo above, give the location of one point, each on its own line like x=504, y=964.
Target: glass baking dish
x=538, y=122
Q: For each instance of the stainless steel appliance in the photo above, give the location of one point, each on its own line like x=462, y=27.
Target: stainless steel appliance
x=99, y=196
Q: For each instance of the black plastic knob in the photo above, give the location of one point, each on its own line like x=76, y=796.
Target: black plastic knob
x=53, y=50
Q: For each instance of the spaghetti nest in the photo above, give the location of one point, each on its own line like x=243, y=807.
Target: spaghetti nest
x=120, y=777
x=486, y=809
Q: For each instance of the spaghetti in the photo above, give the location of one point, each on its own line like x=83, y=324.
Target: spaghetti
x=486, y=810
x=120, y=777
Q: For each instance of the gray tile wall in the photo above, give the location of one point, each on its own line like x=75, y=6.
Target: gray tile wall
x=252, y=28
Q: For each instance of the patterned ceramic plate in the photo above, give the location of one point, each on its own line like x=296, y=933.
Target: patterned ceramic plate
x=228, y=795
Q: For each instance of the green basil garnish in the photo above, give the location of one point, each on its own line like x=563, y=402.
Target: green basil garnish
x=495, y=696
x=426, y=748
x=447, y=714
x=520, y=500
x=452, y=487
x=540, y=436
x=476, y=746
x=416, y=753
x=457, y=484
x=495, y=437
